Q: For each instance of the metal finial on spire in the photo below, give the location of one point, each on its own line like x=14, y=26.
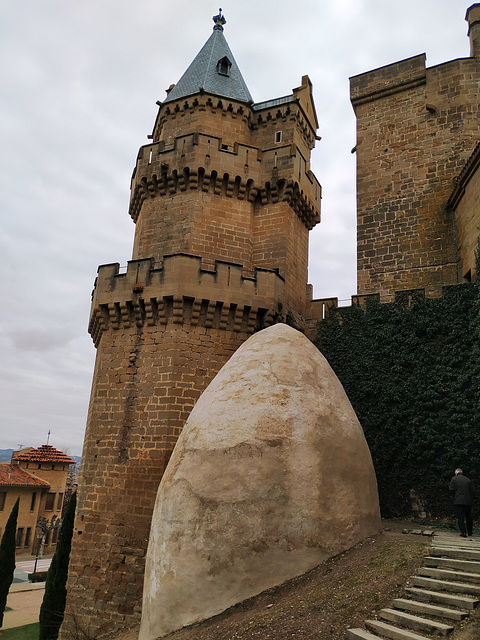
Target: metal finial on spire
x=219, y=21
x=48, y=436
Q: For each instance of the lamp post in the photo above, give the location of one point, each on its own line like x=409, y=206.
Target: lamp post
x=44, y=526
x=40, y=536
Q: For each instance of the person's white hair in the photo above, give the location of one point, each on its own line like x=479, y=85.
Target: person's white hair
x=457, y=471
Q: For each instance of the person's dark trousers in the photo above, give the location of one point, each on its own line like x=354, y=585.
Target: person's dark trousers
x=464, y=515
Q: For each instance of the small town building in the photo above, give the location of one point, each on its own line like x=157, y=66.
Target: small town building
x=38, y=477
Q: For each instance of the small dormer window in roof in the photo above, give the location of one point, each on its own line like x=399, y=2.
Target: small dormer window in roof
x=223, y=66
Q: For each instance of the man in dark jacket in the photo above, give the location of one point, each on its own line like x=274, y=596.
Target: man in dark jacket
x=462, y=499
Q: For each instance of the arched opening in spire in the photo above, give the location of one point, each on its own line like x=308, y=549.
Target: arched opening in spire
x=223, y=66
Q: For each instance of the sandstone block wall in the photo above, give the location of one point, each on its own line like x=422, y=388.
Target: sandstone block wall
x=465, y=201
x=416, y=128
x=146, y=381
x=235, y=201
x=223, y=206
x=162, y=334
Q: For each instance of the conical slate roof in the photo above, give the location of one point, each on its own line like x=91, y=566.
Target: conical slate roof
x=214, y=70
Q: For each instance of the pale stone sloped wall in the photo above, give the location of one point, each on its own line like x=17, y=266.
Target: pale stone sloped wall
x=270, y=476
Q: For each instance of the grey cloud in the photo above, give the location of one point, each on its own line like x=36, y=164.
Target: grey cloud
x=41, y=339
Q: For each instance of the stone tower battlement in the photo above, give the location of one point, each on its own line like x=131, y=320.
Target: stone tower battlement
x=249, y=123
x=231, y=181
x=198, y=161
x=223, y=200
x=182, y=292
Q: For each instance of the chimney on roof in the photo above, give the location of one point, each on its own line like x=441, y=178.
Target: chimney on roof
x=473, y=19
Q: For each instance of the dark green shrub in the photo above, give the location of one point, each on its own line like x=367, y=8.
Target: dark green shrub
x=7, y=558
x=53, y=606
x=38, y=576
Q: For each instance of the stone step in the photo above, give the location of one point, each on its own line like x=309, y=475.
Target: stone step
x=429, y=609
x=459, y=547
x=453, y=552
x=415, y=622
x=391, y=632
x=356, y=634
x=464, y=544
x=462, y=565
x=456, y=538
x=449, y=574
x=443, y=585
x=425, y=595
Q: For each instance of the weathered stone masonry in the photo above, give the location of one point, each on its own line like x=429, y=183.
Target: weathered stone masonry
x=416, y=128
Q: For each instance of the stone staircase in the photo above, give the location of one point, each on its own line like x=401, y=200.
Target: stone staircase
x=444, y=592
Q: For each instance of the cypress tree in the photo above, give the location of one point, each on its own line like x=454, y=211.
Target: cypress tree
x=7, y=558
x=53, y=606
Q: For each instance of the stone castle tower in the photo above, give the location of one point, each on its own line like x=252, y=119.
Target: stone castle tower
x=223, y=199
x=417, y=129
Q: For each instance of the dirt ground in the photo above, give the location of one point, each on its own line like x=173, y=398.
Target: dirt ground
x=341, y=593
x=323, y=603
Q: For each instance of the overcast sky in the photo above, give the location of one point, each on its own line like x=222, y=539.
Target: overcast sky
x=78, y=86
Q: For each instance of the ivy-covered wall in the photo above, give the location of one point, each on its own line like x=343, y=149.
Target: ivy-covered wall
x=411, y=369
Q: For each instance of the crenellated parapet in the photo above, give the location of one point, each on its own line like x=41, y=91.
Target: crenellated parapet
x=320, y=308
x=185, y=112
x=293, y=115
x=181, y=291
x=204, y=163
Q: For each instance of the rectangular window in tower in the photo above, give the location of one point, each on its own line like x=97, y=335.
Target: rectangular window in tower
x=34, y=501
x=3, y=495
x=278, y=136
x=59, y=501
x=19, y=537
x=28, y=536
x=50, y=502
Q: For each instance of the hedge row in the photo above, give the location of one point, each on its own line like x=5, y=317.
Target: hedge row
x=411, y=370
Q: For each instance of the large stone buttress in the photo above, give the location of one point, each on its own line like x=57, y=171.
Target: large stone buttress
x=223, y=199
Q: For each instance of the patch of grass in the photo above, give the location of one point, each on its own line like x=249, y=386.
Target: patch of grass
x=27, y=632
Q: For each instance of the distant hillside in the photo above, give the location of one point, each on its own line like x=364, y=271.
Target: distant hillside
x=6, y=455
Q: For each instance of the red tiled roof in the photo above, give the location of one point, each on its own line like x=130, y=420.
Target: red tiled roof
x=13, y=476
x=45, y=453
